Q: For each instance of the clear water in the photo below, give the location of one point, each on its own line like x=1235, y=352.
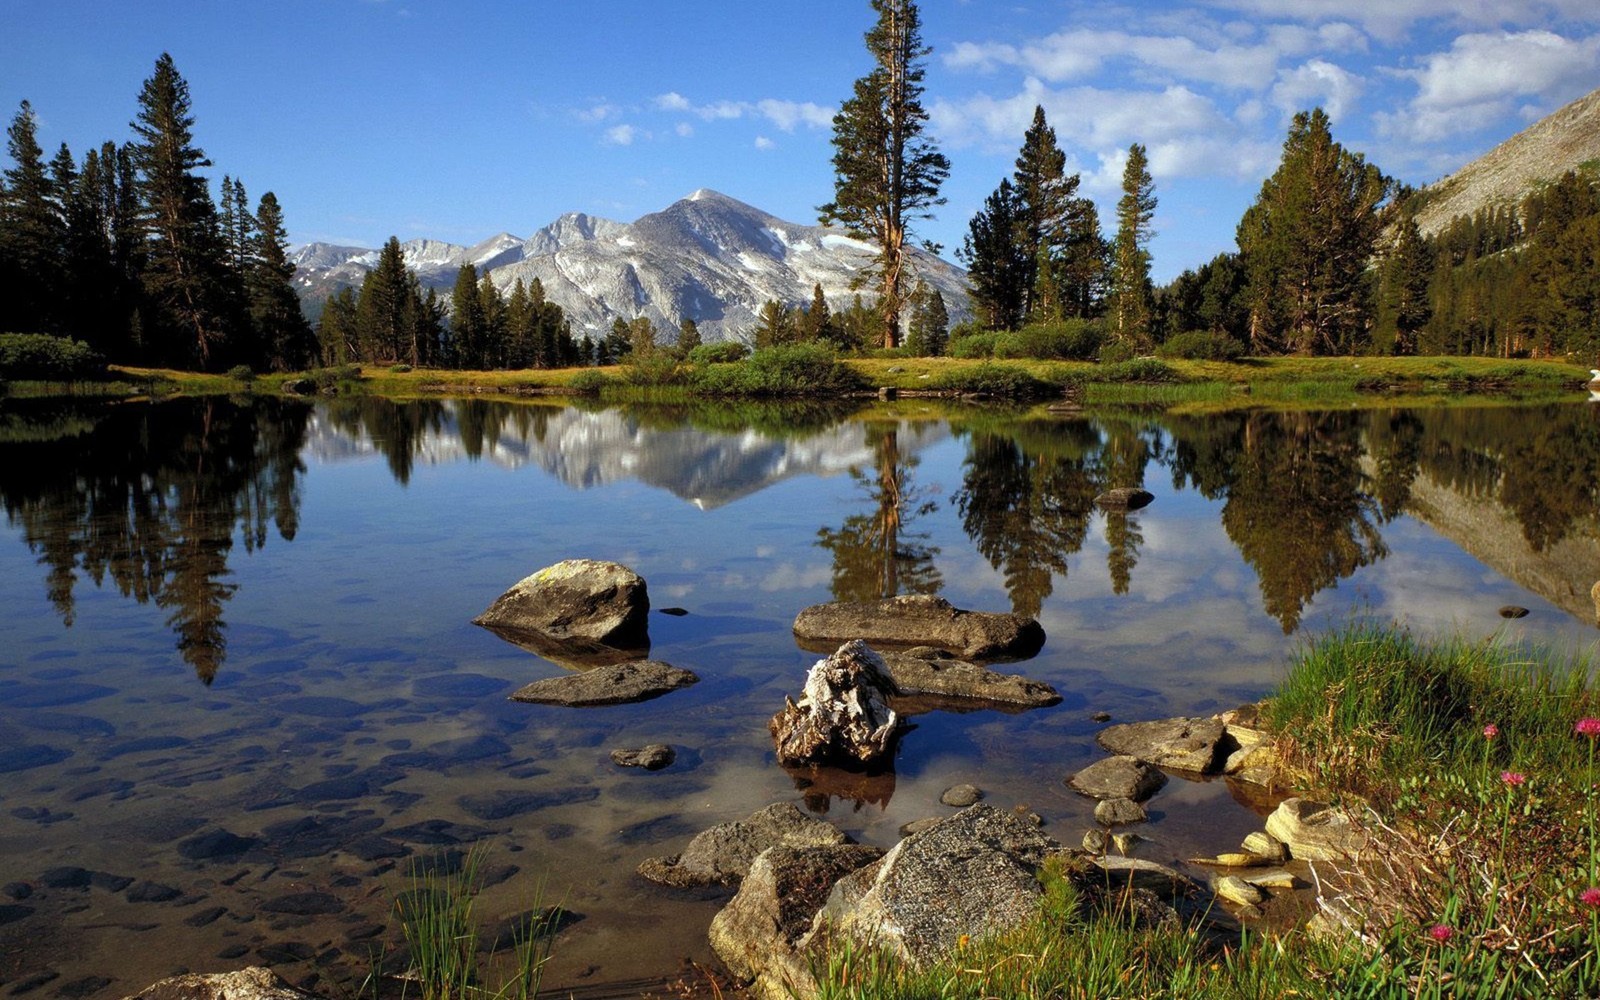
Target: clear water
x=238, y=669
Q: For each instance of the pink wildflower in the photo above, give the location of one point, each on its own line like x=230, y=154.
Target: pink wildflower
x=1441, y=932
x=1590, y=897
x=1513, y=778
x=1588, y=726
x=1491, y=731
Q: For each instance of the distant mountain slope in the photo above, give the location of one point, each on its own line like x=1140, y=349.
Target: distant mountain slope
x=1541, y=152
x=707, y=257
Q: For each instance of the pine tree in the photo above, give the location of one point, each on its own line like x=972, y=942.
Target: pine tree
x=775, y=324
x=281, y=330
x=382, y=309
x=338, y=330
x=493, y=309
x=1307, y=241
x=997, y=259
x=466, y=320
x=815, y=322
x=688, y=336
x=1083, y=273
x=1405, y=275
x=94, y=300
x=31, y=234
x=182, y=272
x=1130, y=269
x=930, y=322
x=887, y=173
x=522, y=328
x=1046, y=204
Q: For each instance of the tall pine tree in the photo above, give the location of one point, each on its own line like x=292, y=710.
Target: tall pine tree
x=1130, y=261
x=31, y=234
x=887, y=173
x=281, y=331
x=998, y=260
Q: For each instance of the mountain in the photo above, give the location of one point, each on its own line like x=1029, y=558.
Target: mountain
x=1542, y=152
x=708, y=257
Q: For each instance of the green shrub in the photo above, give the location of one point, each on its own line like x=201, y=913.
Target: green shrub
x=1001, y=381
x=332, y=377
x=789, y=370
x=1201, y=345
x=658, y=368
x=1067, y=340
x=41, y=357
x=241, y=373
x=399, y=369
x=1116, y=352
x=1147, y=370
x=973, y=345
x=722, y=352
x=589, y=383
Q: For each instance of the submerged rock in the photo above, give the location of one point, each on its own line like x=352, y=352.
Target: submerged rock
x=931, y=676
x=616, y=685
x=757, y=933
x=961, y=796
x=577, y=599
x=652, y=757
x=254, y=983
x=1123, y=498
x=722, y=855
x=1119, y=777
x=921, y=620
x=970, y=875
x=1196, y=745
x=843, y=716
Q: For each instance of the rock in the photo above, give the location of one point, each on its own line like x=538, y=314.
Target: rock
x=1119, y=777
x=1266, y=845
x=1124, y=843
x=935, y=674
x=1278, y=879
x=652, y=757
x=65, y=877
x=723, y=854
x=1124, y=498
x=1233, y=860
x=620, y=684
x=1101, y=717
x=1237, y=890
x=921, y=620
x=919, y=825
x=843, y=716
x=215, y=845
x=1513, y=611
x=152, y=892
x=1256, y=763
x=581, y=599
x=972, y=874
x=1137, y=873
x=1116, y=812
x=756, y=934
x=961, y=796
x=1180, y=744
x=574, y=654
x=254, y=983
x=298, y=386
x=1095, y=841
x=1316, y=831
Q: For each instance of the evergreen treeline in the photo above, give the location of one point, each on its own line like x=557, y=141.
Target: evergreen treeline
x=126, y=250
x=392, y=320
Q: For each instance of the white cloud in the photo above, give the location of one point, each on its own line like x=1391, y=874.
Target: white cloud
x=684, y=130
x=1317, y=84
x=786, y=115
x=763, y=143
x=1483, y=76
x=598, y=112
x=1392, y=19
x=621, y=135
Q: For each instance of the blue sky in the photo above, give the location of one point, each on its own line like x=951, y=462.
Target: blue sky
x=457, y=120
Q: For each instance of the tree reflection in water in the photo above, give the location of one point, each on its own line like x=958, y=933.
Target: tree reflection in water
x=877, y=554
x=151, y=499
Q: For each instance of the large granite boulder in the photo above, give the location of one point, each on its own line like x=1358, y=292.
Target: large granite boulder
x=843, y=716
x=253, y=983
x=920, y=620
x=723, y=854
x=757, y=933
x=621, y=684
x=972, y=874
x=1196, y=745
x=577, y=599
x=928, y=678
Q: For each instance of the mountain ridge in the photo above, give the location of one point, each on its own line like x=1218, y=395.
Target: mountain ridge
x=708, y=257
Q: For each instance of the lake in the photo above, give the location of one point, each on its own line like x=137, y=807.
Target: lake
x=240, y=692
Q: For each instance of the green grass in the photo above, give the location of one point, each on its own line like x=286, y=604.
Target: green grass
x=1483, y=849
x=440, y=924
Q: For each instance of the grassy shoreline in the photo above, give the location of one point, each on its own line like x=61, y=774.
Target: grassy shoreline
x=1189, y=385
x=1474, y=764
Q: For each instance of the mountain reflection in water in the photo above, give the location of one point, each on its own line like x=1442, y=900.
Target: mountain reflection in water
x=154, y=496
